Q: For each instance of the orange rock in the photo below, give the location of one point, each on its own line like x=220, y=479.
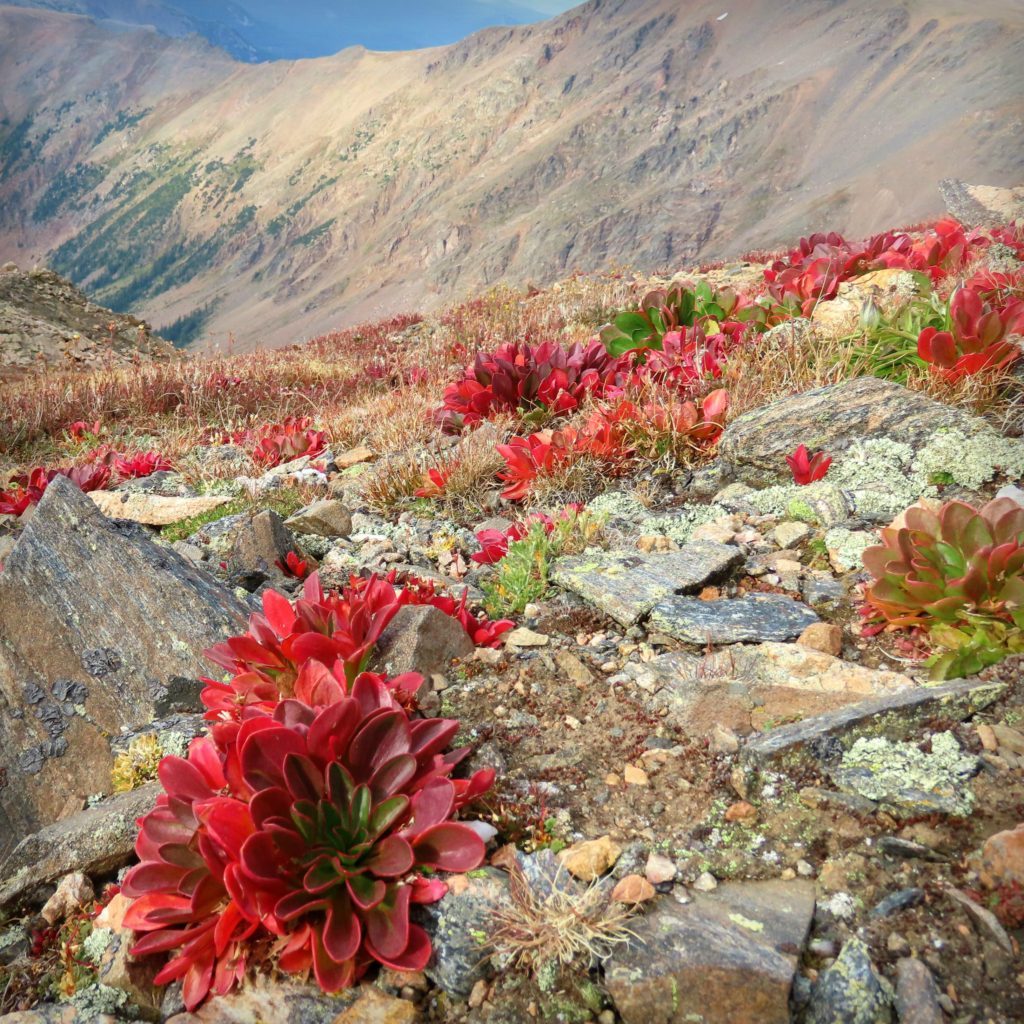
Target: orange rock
x=1002, y=858
x=743, y=812
x=633, y=889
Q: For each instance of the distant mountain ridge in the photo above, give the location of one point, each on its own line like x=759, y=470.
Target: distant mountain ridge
x=259, y=30
x=276, y=201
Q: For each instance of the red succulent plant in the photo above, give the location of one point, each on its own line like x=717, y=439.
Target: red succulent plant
x=294, y=566
x=435, y=480
x=525, y=377
x=980, y=336
x=79, y=430
x=290, y=439
x=299, y=832
x=807, y=468
x=139, y=464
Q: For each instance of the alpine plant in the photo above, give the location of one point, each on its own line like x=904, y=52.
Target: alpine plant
x=942, y=567
x=302, y=829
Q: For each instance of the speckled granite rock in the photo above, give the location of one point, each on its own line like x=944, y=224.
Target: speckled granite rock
x=732, y=620
x=850, y=991
x=627, y=584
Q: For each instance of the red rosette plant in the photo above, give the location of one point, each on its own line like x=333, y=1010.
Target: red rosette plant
x=290, y=439
x=140, y=464
x=299, y=832
x=979, y=336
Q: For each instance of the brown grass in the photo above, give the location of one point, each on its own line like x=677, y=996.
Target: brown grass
x=568, y=924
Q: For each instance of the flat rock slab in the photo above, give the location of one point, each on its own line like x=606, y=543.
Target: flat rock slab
x=153, y=509
x=892, y=716
x=833, y=418
x=103, y=632
x=732, y=620
x=726, y=958
x=745, y=687
x=626, y=585
x=96, y=840
x=325, y=518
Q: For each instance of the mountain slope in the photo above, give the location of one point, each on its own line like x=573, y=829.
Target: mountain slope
x=285, y=199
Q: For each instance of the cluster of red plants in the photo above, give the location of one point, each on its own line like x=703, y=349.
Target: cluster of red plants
x=290, y=439
x=103, y=465
x=302, y=829
x=609, y=436
x=813, y=271
x=525, y=377
x=979, y=335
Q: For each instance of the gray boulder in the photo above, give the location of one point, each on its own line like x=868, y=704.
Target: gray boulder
x=103, y=631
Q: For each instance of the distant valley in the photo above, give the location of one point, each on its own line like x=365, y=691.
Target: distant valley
x=273, y=201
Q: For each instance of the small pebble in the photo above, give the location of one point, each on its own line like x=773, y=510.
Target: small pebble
x=706, y=882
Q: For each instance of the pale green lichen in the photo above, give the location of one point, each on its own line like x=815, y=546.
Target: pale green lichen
x=901, y=775
x=618, y=505
x=94, y=1001
x=96, y=943
x=845, y=547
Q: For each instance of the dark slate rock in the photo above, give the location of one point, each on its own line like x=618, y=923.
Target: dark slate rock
x=726, y=958
x=893, y=715
x=109, y=627
x=95, y=841
x=850, y=991
x=833, y=418
x=626, y=585
x=905, y=849
x=732, y=620
x=459, y=926
x=895, y=902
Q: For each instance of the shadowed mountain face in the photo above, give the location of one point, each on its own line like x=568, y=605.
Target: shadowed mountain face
x=257, y=30
x=280, y=200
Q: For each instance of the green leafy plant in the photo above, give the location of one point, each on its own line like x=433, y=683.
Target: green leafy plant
x=522, y=575
x=661, y=312
x=967, y=649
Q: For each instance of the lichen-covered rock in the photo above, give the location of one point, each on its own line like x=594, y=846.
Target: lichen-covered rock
x=744, y=686
x=325, y=518
x=101, y=627
x=94, y=841
x=460, y=926
x=626, y=585
x=850, y=991
x=893, y=715
x=901, y=776
x=734, y=620
x=980, y=205
x=726, y=958
x=833, y=418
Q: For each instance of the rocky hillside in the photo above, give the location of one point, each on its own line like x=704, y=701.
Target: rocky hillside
x=278, y=201
x=665, y=667
x=45, y=320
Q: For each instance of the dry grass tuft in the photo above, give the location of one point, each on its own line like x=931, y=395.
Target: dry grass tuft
x=567, y=924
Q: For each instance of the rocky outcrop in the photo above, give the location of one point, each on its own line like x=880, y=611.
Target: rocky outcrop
x=832, y=419
x=102, y=631
x=46, y=319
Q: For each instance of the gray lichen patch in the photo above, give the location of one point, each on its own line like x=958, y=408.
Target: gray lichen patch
x=902, y=776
